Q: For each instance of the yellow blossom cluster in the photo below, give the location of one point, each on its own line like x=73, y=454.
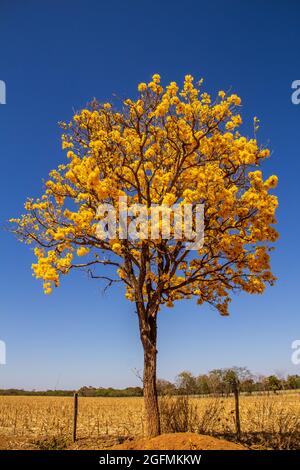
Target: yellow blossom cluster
x=49, y=266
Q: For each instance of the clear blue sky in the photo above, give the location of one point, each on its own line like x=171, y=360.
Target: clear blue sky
x=56, y=56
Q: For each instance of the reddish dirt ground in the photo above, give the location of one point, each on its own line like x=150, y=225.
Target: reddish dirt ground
x=179, y=441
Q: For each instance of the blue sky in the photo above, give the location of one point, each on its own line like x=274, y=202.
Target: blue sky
x=56, y=56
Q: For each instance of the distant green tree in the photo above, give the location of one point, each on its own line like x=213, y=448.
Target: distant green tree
x=248, y=385
x=186, y=383
x=293, y=382
x=274, y=383
x=216, y=381
x=164, y=387
x=203, y=385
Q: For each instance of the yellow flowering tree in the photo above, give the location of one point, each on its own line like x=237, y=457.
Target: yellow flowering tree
x=169, y=146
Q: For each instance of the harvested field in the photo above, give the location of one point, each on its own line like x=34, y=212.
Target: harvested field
x=266, y=421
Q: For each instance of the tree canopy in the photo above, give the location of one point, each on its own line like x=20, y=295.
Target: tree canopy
x=168, y=146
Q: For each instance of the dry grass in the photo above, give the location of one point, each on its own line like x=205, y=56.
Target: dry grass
x=270, y=421
x=52, y=416
x=266, y=421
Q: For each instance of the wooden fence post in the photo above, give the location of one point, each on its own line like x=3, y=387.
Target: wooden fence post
x=75, y=413
x=237, y=411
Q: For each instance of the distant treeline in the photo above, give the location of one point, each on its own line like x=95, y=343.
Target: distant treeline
x=219, y=382
x=215, y=382
x=83, y=391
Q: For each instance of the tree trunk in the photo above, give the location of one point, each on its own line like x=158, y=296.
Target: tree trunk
x=148, y=338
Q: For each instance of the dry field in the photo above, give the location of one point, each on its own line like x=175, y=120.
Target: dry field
x=269, y=421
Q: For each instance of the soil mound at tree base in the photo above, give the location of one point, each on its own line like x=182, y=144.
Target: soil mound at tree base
x=179, y=441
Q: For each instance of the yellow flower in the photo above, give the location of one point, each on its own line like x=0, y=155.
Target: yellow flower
x=117, y=248
x=66, y=145
x=142, y=87
x=47, y=288
x=188, y=78
x=271, y=182
x=71, y=154
x=82, y=251
x=156, y=78
x=264, y=153
x=169, y=199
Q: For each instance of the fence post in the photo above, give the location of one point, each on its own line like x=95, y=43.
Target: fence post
x=237, y=411
x=75, y=413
